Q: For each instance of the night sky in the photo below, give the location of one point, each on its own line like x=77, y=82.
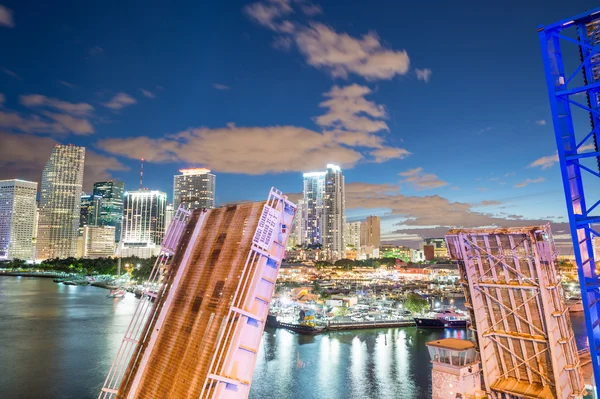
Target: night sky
x=436, y=111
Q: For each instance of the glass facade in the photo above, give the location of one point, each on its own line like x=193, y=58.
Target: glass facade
x=60, y=203
x=144, y=214
x=194, y=188
x=111, y=211
x=17, y=219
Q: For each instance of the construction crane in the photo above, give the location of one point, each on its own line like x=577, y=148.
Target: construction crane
x=574, y=87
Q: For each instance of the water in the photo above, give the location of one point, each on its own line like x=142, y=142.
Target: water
x=59, y=341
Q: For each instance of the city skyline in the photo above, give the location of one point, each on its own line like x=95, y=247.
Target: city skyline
x=404, y=119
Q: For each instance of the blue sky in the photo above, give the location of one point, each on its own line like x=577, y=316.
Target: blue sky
x=435, y=110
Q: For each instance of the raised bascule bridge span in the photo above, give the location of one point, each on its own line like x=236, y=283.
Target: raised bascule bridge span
x=198, y=326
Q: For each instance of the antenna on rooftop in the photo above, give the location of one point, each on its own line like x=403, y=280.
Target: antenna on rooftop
x=142, y=175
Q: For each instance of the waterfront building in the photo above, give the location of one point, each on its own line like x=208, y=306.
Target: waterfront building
x=439, y=247
x=144, y=213
x=111, y=211
x=17, y=219
x=353, y=230
x=60, y=203
x=89, y=212
x=194, y=188
x=325, y=217
x=298, y=236
x=98, y=241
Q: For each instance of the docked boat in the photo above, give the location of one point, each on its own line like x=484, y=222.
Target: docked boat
x=574, y=304
x=446, y=319
x=76, y=282
x=116, y=293
x=302, y=328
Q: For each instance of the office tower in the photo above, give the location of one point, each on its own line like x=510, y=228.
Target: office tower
x=195, y=188
x=299, y=229
x=201, y=335
x=89, y=212
x=143, y=228
x=353, y=235
x=325, y=210
x=60, y=201
x=371, y=235
x=17, y=219
x=111, y=212
x=98, y=241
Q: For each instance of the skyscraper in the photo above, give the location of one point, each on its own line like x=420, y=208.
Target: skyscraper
x=17, y=219
x=111, y=211
x=89, y=212
x=353, y=235
x=324, y=197
x=98, y=241
x=60, y=202
x=195, y=188
x=371, y=234
x=143, y=228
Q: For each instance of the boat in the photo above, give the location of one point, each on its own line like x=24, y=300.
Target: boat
x=116, y=293
x=574, y=304
x=76, y=282
x=445, y=319
x=302, y=328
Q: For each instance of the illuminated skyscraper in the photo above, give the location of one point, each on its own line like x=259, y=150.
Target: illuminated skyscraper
x=353, y=235
x=17, y=219
x=144, y=214
x=111, y=211
x=325, y=201
x=195, y=188
x=89, y=212
x=98, y=241
x=372, y=232
x=60, y=202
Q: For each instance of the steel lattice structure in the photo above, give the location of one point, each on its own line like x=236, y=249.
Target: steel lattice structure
x=578, y=87
x=522, y=324
x=212, y=286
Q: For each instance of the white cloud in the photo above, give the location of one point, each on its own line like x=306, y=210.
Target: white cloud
x=67, y=84
x=527, y=182
x=540, y=122
x=38, y=100
x=420, y=180
x=423, y=74
x=220, y=86
x=549, y=160
x=283, y=43
x=148, y=93
x=340, y=54
x=6, y=17
x=349, y=110
x=11, y=73
x=381, y=155
x=311, y=9
x=120, y=100
x=23, y=156
x=79, y=126
x=266, y=14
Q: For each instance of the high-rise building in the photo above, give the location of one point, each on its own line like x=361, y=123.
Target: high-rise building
x=17, y=219
x=195, y=188
x=143, y=228
x=353, y=235
x=60, y=202
x=299, y=229
x=325, y=217
x=169, y=212
x=111, y=211
x=98, y=241
x=371, y=234
x=89, y=212
x=439, y=247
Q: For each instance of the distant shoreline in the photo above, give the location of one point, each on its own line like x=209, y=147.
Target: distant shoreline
x=32, y=274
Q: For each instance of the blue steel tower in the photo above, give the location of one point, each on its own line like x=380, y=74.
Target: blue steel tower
x=574, y=87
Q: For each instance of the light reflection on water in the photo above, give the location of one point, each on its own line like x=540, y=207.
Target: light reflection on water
x=59, y=341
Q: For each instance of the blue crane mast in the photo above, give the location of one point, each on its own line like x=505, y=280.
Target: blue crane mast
x=575, y=86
